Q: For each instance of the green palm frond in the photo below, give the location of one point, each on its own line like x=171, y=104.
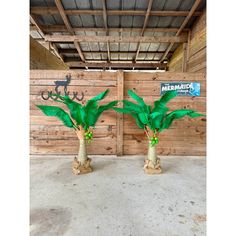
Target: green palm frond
x=85, y=116
x=177, y=114
x=58, y=113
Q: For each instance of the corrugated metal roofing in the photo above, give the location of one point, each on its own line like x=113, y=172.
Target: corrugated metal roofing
x=147, y=50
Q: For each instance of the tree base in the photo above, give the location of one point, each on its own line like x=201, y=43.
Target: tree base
x=78, y=169
x=151, y=168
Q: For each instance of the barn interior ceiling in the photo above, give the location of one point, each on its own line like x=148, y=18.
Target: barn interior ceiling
x=113, y=34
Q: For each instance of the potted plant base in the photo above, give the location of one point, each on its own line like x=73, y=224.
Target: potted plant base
x=78, y=168
x=152, y=163
x=81, y=164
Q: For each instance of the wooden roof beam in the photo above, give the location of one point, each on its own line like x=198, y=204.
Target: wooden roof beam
x=116, y=65
x=39, y=27
x=144, y=26
x=62, y=28
x=117, y=39
x=106, y=27
x=186, y=20
x=74, y=51
x=54, y=10
x=68, y=26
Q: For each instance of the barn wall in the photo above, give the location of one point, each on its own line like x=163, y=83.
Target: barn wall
x=48, y=136
x=41, y=58
x=196, y=49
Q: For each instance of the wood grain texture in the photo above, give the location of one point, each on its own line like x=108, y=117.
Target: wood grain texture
x=48, y=135
x=120, y=117
x=196, y=49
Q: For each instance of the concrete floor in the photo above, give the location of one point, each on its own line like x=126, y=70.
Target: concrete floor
x=118, y=198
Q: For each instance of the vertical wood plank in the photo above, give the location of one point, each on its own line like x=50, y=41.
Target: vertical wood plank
x=184, y=62
x=189, y=45
x=120, y=117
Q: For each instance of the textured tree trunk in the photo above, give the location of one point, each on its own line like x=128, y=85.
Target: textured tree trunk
x=152, y=154
x=81, y=163
x=152, y=163
x=82, y=154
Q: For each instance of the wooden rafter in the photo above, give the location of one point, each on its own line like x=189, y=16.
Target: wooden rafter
x=68, y=26
x=186, y=20
x=106, y=27
x=116, y=64
x=53, y=10
x=79, y=51
x=62, y=28
x=144, y=25
x=64, y=16
x=117, y=39
x=74, y=51
x=33, y=20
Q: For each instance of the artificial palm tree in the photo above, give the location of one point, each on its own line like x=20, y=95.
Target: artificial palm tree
x=153, y=119
x=81, y=119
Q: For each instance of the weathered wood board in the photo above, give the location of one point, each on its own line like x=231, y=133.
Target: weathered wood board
x=196, y=61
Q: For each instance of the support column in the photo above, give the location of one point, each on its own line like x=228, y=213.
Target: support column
x=120, y=117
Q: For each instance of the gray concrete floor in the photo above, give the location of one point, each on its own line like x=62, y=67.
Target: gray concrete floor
x=118, y=198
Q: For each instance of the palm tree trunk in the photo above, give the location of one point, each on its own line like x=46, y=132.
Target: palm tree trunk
x=82, y=154
x=152, y=154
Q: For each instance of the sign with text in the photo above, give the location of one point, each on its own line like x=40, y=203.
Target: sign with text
x=182, y=88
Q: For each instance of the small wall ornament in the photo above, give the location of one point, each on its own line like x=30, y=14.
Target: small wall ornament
x=54, y=95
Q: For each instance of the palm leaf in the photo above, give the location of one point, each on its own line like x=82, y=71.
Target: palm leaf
x=133, y=95
x=96, y=113
x=177, y=114
x=160, y=105
x=58, y=113
x=138, y=121
x=132, y=106
x=168, y=96
x=100, y=96
x=143, y=117
x=122, y=110
x=107, y=106
x=76, y=111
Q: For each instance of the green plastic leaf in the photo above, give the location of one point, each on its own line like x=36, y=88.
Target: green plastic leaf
x=168, y=96
x=160, y=105
x=57, y=112
x=132, y=106
x=177, y=114
x=133, y=95
x=143, y=118
x=138, y=121
x=107, y=106
x=157, y=122
x=100, y=96
x=122, y=110
x=100, y=110
x=76, y=111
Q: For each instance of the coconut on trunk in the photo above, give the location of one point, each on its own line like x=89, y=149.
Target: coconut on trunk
x=82, y=119
x=153, y=120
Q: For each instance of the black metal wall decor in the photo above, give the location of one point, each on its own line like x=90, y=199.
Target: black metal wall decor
x=61, y=83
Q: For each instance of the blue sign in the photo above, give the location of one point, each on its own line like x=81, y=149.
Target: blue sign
x=182, y=88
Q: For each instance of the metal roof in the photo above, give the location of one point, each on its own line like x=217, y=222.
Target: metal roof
x=130, y=24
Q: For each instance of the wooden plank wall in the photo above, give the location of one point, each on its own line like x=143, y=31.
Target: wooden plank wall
x=48, y=136
x=41, y=58
x=196, y=50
